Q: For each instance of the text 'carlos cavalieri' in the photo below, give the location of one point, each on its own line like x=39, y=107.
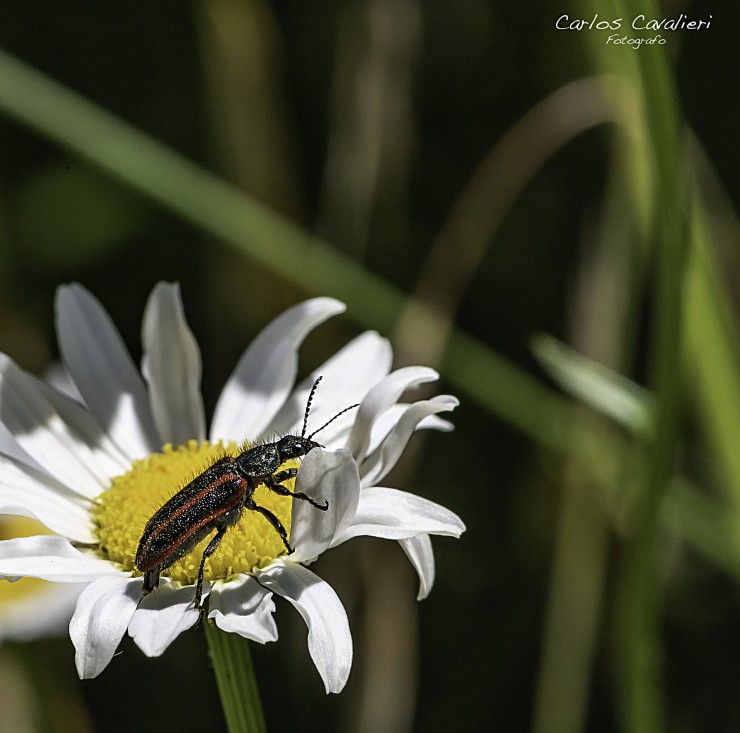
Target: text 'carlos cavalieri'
x=638, y=23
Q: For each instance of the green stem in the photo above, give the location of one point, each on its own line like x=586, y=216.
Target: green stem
x=641, y=591
x=237, y=685
x=658, y=182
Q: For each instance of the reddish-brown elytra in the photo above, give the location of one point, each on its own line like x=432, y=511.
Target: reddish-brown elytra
x=215, y=499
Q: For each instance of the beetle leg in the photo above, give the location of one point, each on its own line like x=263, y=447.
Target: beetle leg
x=281, y=476
x=272, y=519
x=274, y=483
x=210, y=549
x=151, y=581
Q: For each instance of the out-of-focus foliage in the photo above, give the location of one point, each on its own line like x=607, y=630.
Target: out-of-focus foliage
x=509, y=176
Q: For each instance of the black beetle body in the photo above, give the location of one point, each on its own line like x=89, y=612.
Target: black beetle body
x=215, y=500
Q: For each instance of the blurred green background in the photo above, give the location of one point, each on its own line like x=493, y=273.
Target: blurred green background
x=465, y=176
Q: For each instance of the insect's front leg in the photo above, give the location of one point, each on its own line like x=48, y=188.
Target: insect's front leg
x=274, y=483
x=272, y=519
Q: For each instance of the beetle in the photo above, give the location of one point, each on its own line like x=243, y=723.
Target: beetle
x=215, y=499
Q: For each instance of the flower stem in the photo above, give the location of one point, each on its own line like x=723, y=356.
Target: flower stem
x=237, y=685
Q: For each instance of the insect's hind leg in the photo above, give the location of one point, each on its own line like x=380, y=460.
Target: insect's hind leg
x=151, y=581
x=274, y=483
x=210, y=549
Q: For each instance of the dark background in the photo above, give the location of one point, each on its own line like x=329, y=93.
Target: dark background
x=473, y=69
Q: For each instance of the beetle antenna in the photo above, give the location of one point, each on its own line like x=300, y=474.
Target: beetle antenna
x=328, y=422
x=308, y=405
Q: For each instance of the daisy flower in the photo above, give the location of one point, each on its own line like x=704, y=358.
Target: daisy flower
x=95, y=469
x=30, y=608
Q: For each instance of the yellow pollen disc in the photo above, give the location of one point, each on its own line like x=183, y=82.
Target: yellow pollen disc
x=121, y=513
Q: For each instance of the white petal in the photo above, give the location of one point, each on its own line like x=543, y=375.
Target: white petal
x=382, y=460
x=58, y=377
x=329, y=476
x=329, y=637
x=436, y=423
x=242, y=606
x=347, y=378
x=394, y=515
x=171, y=366
x=103, y=612
x=379, y=399
x=266, y=372
x=29, y=492
x=45, y=612
x=162, y=616
x=101, y=368
x=9, y=446
x=105, y=458
x=419, y=551
x=387, y=421
x=56, y=431
x=50, y=557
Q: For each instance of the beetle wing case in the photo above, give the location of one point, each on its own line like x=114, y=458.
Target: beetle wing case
x=192, y=513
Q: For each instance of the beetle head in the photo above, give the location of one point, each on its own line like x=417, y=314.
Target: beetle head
x=294, y=446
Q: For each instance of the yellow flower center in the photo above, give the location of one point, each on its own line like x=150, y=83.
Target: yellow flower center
x=121, y=513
